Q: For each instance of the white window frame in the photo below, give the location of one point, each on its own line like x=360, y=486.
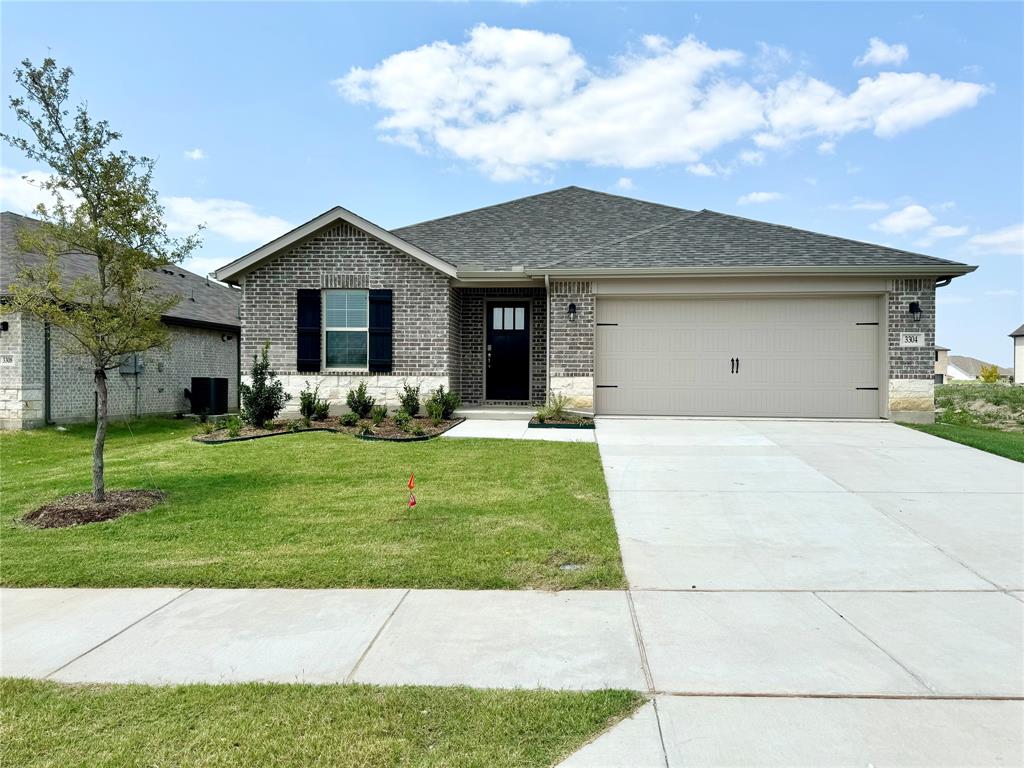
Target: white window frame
x=324, y=328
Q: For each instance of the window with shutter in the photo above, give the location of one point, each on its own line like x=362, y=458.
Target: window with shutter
x=380, y=330
x=307, y=327
x=346, y=329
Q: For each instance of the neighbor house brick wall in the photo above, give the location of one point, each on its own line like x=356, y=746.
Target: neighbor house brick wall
x=342, y=256
x=473, y=301
x=21, y=372
x=911, y=369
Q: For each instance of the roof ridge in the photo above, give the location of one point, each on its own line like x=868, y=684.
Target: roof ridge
x=683, y=216
x=484, y=208
x=833, y=237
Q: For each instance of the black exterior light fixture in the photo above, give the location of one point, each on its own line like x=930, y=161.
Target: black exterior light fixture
x=572, y=312
x=915, y=311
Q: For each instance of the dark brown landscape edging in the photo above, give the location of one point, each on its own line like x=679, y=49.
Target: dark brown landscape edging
x=552, y=425
x=410, y=438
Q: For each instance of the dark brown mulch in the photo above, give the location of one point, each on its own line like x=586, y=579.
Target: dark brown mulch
x=80, y=509
x=572, y=421
x=386, y=429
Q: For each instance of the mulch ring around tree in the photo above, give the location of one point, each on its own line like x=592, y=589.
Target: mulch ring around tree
x=80, y=509
x=417, y=429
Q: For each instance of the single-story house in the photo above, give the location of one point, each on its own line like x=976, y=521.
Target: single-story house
x=623, y=306
x=941, y=364
x=40, y=383
x=1018, y=355
x=963, y=368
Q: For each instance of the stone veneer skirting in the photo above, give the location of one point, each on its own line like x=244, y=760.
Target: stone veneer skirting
x=334, y=387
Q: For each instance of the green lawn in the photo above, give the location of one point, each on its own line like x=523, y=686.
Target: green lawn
x=48, y=724
x=1008, y=444
x=312, y=510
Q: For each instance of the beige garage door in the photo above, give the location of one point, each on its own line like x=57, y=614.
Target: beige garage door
x=815, y=357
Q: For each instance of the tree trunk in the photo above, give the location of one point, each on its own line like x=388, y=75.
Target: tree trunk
x=99, y=493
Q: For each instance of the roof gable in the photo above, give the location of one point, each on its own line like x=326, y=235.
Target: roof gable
x=237, y=268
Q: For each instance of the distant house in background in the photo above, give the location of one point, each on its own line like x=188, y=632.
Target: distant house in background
x=41, y=384
x=962, y=368
x=1018, y=355
x=941, y=364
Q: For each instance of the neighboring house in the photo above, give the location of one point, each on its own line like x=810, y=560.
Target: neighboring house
x=40, y=383
x=941, y=364
x=1018, y=355
x=623, y=306
x=962, y=368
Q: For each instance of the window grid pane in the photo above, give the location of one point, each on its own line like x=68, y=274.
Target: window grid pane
x=346, y=349
x=509, y=322
x=346, y=309
x=520, y=318
x=497, y=319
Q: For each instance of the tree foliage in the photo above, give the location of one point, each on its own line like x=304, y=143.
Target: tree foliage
x=102, y=202
x=989, y=374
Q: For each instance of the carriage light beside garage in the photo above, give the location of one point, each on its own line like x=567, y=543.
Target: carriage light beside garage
x=915, y=311
x=572, y=312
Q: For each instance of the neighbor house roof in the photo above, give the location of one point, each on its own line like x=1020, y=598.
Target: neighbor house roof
x=972, y=366
x=203, y=302
x=1018, y=332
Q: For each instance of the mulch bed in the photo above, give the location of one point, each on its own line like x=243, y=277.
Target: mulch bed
x=79, y=508
x=418, y=429
x=573, y=422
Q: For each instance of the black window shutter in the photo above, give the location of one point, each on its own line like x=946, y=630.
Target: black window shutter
x=307, y=330
x=380, y=330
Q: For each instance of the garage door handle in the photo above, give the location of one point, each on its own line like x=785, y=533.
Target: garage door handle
x=737, y=365
x=732, y=365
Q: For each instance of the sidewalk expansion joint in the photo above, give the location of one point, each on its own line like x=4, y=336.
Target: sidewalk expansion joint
x=641, y=648
x=366, y=651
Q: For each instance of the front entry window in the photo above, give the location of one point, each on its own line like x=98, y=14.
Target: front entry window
x=346, y=329
x=508, y=318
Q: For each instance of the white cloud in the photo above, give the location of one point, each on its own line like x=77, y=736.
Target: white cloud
x=516, y=102
x=759, y=197
x=232, y=219
x=1002, y=292
x=195, y=154
x=751, y=157
x=701, y=169
x=949, y=299
x=1008, y=241
x=20, y=191
x=909, y=219
x=625, y=183
x=880, y=53
x=827, y=148
x=941, y=232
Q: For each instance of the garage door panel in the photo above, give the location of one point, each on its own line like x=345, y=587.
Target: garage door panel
x=798, y=356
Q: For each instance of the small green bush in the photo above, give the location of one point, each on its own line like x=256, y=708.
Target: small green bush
x=349, y=419
x=442, y=404
x=411, y=399
x=378, y=413
x=234, y=426
x=359, y=402
x=311, y=405
x=263, y=398
x=207, y=427
x=418, y=431
x=402, y=419
x=556, y=409
x=298, y=425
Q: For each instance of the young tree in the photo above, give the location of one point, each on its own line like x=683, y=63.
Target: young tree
x=989, y=374
x=103, y=203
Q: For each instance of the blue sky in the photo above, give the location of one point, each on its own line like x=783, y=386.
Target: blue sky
x=898, y=124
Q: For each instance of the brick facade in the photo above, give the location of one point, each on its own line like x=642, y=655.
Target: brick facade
x=911, y=369
x=158, y=389
x=469, y=379
x=572, y=342
x=345, y=257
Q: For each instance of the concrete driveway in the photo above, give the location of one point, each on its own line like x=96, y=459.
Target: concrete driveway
x=817, y=593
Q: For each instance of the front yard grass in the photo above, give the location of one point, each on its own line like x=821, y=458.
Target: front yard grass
x=1008, y=444
x=312, y=510
x=48, y=724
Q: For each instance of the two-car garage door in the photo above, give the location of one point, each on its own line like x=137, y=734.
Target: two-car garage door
x=744, y=356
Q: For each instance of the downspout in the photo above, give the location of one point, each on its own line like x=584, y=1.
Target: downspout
x=547, y=341
x=46, y=375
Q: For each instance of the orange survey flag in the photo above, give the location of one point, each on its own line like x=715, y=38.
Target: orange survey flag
x=412, y=481
x=412, y=500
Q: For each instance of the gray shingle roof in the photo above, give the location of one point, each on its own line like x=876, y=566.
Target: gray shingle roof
x=972, y=366
x=1018, y=332
x=203, y=302
x=537, y=230
x=710, y=239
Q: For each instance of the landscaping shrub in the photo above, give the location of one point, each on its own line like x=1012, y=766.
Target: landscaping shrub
x=378, y=413
x=418, y=431
x=402, y=419
x=234, y=426
x=264, y=398
x=989, y=374
x=349, y=419
x=442, y=404
x=555, y=409
x=359, y=402
x=311, y=405
x=411, y=399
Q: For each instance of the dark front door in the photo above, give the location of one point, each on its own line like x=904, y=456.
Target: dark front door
x=508, y=351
